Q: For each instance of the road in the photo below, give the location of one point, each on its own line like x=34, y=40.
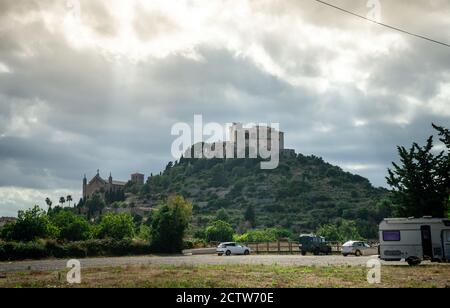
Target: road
x=194, y=260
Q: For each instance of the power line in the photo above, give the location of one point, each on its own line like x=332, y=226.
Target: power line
x=384, y=25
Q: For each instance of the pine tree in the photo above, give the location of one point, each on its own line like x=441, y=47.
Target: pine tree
x=421, y=182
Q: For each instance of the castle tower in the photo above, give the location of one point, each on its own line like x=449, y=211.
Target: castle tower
x=110, y=179
x=138, y=178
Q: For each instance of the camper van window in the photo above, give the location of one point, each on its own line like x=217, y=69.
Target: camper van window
x=391, y=236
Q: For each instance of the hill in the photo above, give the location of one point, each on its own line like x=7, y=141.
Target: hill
x=302, y=194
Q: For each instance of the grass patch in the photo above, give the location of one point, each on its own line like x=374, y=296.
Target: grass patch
x=244, y=276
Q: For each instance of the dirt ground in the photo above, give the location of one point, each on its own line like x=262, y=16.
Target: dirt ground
x=244, y=276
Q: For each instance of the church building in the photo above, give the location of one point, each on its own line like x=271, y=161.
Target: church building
x=102, y=186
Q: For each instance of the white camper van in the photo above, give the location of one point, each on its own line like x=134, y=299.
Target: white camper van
x=415, y=240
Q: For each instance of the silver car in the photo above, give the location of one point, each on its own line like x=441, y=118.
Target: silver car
x=232, y=248
x=358, y=249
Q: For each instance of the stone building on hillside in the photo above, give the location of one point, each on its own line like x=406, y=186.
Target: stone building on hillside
x=99, y=185
x=252, y=134
x=138, y=178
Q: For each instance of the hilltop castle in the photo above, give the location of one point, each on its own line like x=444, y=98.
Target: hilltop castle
x=99, y=185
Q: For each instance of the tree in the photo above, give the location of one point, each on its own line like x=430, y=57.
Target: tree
x=444, y=137
x=62, y=200
x=261, y=236
x=169, y=166
x=250, y=215
x=69, y=199
x=96, y=204
x=49, y=204
x=169, y=224
x=344, y=230
x=219, y=231
x=71, y=226
x=421, y=182
x=30, y=225
x=115, y=226
x=222, y=214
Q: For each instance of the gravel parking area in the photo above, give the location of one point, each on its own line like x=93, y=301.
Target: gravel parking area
x=288, y=260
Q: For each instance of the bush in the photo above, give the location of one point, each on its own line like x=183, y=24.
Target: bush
x=71, y=226
x=92, y=248
x=30, y=225
x=144, y=233
x=219, y=231
x=115, y=226
x=188, y=244
x=265, y=235
x=343, y=231
x=76, y=250
x=56, y=250
x=169, y=224
x=23, y=251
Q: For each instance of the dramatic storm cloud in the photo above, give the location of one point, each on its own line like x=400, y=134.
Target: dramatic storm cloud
x=87, y=85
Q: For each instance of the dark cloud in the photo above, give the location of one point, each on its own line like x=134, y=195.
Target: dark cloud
x=67, y=110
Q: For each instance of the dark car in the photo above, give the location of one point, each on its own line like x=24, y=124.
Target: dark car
x=310, y=243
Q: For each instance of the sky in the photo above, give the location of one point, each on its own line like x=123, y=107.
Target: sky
x=90, y=84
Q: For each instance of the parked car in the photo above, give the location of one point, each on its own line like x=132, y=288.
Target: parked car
x=313, y=244
x=232, y=248
x=358, y=249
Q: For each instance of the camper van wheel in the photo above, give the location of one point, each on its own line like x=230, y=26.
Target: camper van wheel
x=303, y=253
x=413, y=261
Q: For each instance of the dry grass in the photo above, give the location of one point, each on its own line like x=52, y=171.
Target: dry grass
x=252, y=276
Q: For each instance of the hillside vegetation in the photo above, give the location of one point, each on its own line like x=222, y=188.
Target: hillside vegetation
x=301, y=195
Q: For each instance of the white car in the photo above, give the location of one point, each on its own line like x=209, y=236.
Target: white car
x=232, y=248
x=358, y=249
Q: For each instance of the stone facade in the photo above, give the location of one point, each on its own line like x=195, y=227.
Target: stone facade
x=252, y=135
x=138, y=178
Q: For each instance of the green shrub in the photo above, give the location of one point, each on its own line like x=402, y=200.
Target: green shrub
x=264, y=235
x=76, y=250
x=219, y=231
x=72, y=227
x=31, y=224
x=91, y=248
x=3, y=256
x=169, y=224
x=56, y=250
x=115, y=226
x=188, y=244
x=96, y=248
x=24, y=251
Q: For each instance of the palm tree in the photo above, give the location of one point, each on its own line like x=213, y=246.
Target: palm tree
x=62, y=200
x=49, y=203
x=69, y=199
